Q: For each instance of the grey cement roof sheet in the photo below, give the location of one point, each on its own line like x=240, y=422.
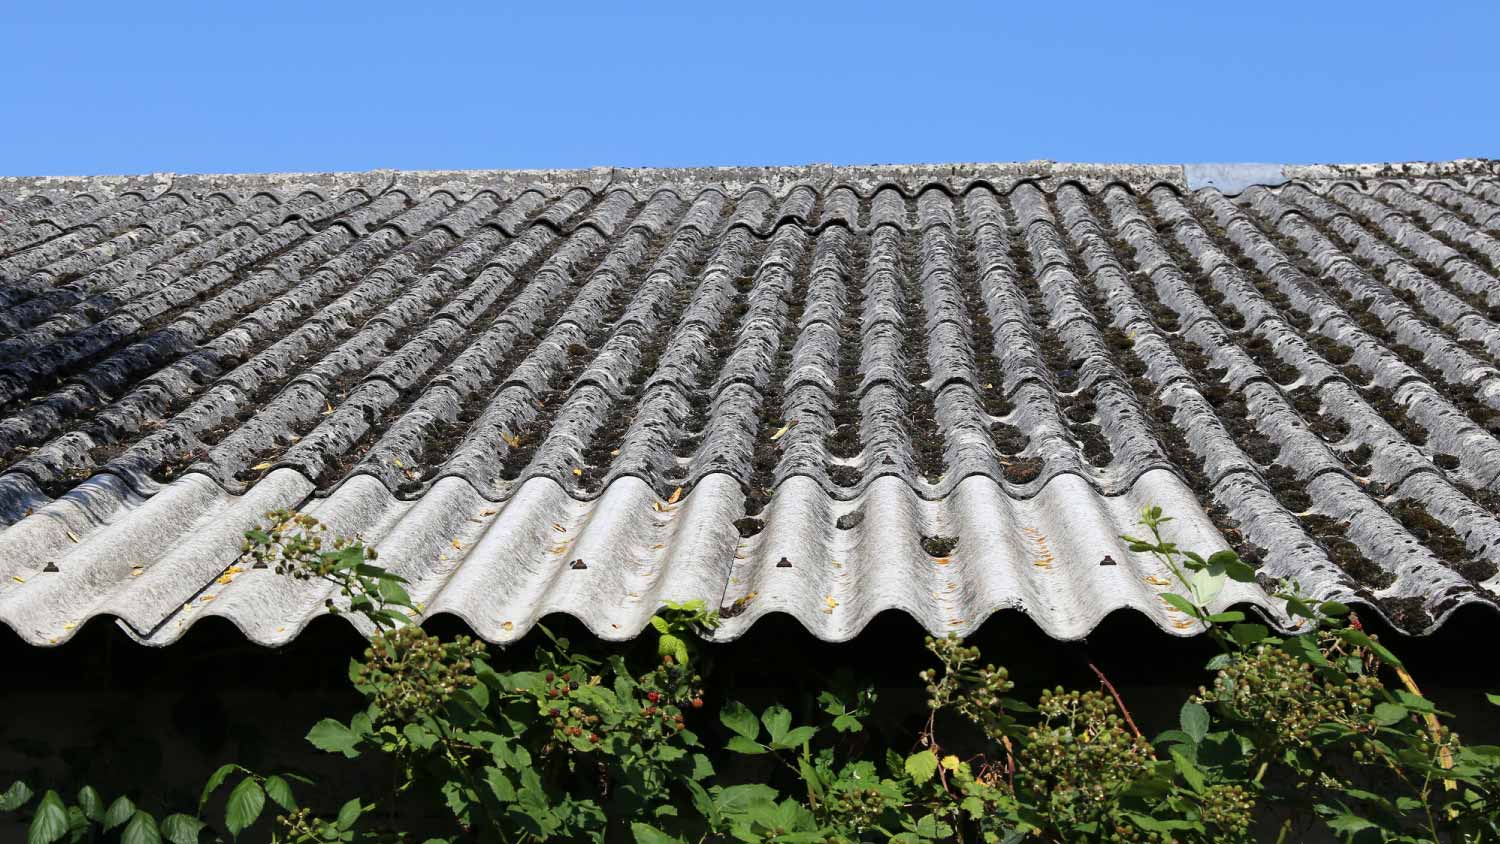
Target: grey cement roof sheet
x=774, y=389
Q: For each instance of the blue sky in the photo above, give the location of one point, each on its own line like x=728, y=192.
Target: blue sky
x=249, y=87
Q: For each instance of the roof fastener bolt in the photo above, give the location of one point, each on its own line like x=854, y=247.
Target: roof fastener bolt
x=1108, y=561
x=578, y=565
x=784, y=563
x=260, y=564
x=50, y=567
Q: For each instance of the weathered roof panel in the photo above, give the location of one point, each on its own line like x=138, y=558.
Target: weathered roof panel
x=832, y=391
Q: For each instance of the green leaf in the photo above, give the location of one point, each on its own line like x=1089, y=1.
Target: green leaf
x=647, y=834
x=737, y=799
x=921, y=766
x=16, y=796
x=119, y=812
x=1182, y=604
x=277, y=789
x=1194, y=720
x=738, y=717
x=1494, y=699
x=141, y=830
x=1349, y=824
x=420, y=737
x=215, y=780
x=1359, y=637
x=1227, y=617
x=1333, y=608
x=50, y=822
x=331, y=736
x=91, y=804
x=181, y=829
x=740, y=744
x=1249, y=634
x=349, y=814
x=795, y=737
x=500, y=786
x=777, y=720
x=245, y=803
x=1188, y=769
x=1415, y=703
x=1388, y=713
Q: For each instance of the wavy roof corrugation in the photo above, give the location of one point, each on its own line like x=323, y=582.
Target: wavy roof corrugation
x=830, y=391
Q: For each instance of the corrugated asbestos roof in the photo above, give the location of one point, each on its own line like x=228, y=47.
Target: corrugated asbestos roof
x=837, y=391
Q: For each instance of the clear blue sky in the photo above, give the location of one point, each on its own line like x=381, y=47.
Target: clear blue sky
x=259, y=86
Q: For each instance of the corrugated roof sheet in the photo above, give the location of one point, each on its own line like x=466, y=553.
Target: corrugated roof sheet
x=832, y=391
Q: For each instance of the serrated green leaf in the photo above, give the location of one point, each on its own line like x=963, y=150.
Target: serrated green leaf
x=499, y=785
x=1389, y=713
x=91, y=804
x=181, y=829
x=740, y=744
x=245, y=804
x=1494, y=699
x=50, y=822
x=278, y=790
x=738, y=799
x=795, y=737
x=921, y=766
x=331, y=736
x=1348, y=823
x=1249, y=634
x=141, y=830
x=1181, y=604
x=738, y=717
x=1189, y=771
x=15, y=797
x=420, y=737
x=118, y=813
x=647, y=834
x=215, y=780
x=1359, y=637
x=1194, y=720
x=349, y=814
x=777, y=720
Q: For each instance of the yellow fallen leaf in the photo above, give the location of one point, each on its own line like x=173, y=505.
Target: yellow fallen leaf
x=784, y=428
x=72, y=536
x=328, y=409
x=614, y=453
x=458, y=545
x=260, y=467
x=137, y=571
x=659, y=507
x=69, y=626
x=658, y=546
x=559, y=528
x=397, y=461
x=512, y=440
x=206, y=598
x=489, y=512
x=1158, y=581
x=577, y=471
x=676, y=494
x=17, y=578
x=507, y=626
x=229, y=573
x=830, y=601
x=942, y=561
